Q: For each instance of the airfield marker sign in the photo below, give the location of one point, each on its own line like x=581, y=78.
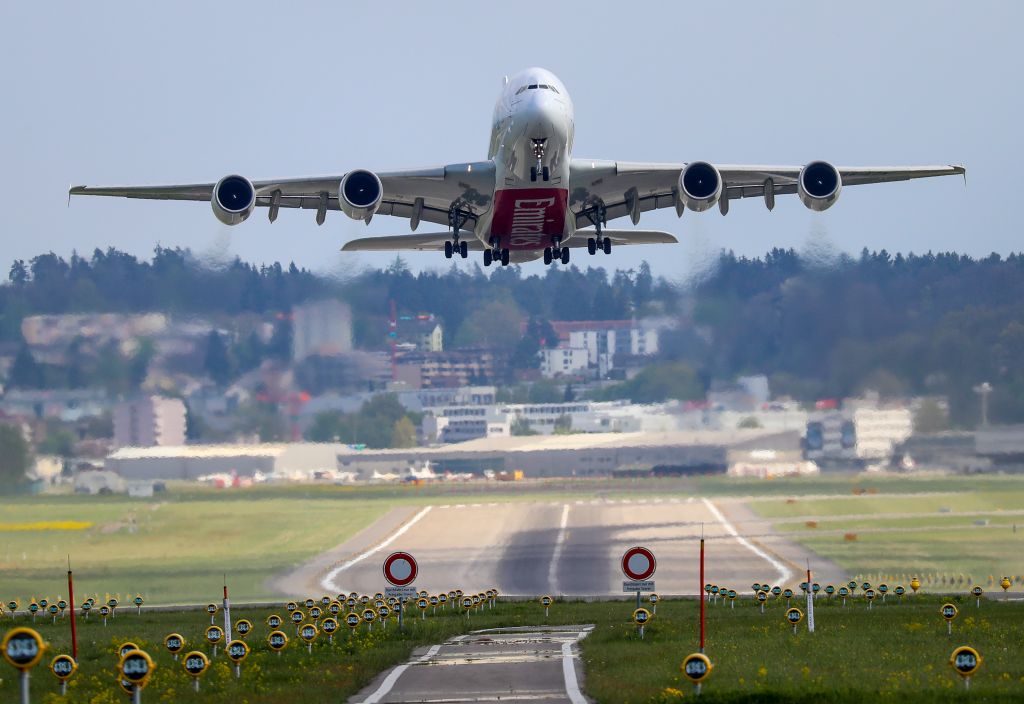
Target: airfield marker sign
x=243, y=627
x=63, y=667
x=174, y=642
x=274, y=621
x=696, y=667
x=329, y=626
x=401, y=570
x=638, y=564
x=136, y=667
x=23, y=648
x=308, y=633
x=977, y=592
x=277, y=640
x=545, y=601
x=965, y=660
x=195, y=664
x=238, y=651
x=794, y=616
x=214, y=635
x=640, y=617
x=949, y=612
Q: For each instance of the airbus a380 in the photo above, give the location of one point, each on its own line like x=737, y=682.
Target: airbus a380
x=531, y=198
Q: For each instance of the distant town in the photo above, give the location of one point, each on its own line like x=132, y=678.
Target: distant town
x=391, y=377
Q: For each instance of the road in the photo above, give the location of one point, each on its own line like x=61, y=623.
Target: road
x=563, y=548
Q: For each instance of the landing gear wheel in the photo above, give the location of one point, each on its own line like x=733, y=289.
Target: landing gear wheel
x=565, y=255
x=533, y=173
x=504, y=257
x=464, y=249
x=547, y=255
x=488, y=257
x=592, y=246
x=448, y=250
x=607, y=246
x=547, y=174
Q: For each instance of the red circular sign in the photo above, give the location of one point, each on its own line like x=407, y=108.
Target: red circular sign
x=400, y=569
x=638, y=564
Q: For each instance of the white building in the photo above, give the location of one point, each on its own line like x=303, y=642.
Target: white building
x=149, y=421
x=563, y=362
x=458, y=424
x=321, y=328
x=629, y=342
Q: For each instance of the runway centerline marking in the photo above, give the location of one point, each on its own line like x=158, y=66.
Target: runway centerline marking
x=784, y=572
x=328, y=581
x=557, y=554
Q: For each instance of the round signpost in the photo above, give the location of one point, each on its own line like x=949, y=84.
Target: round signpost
x=843, y=593
x=654, y=599
x=352, y=621
x=696, y=667
x=291, y=606
x=309, y=603
x=63, y=668
x=830, y=589
x=755, y=587
x=869, y=594
x=794, y=616
x=883, y=589
x=174, y=642
x=777, y=590
x=126, y=647
x=212, y=610
x=369, y=616
x=966, y=661
x=434, y=601
x=422, y=603
x=308, y=633
x=467, y=604
x=238, y=651
x=787, y=594
x=334, y=608
x=443, y=598
x=23, y=649
x=62, y=606
x=638, y=564
x=12, y=605
x=104, y=612
x=214, y=635
x=545, y=601
x=274, y=621
x=138, y=601
x=325, y=601
x=195, y=664
x=52, y=610
x=732, y=599
x=33, y=608
x=297, y=617
x=136, y=667
x=277, y=640
x=400, y=569
x=899, y=591
x=977, y=592
x=383, y=611
x=949, y=613
x=762, y=597
x=640, y=617
x=329, y=626
x=315, y=613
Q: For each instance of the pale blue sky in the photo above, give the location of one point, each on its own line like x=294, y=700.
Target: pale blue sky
x=134, y=93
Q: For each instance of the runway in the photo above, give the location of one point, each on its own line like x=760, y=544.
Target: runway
x=568, y=548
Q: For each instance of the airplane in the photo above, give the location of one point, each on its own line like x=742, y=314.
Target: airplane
x=531, y=198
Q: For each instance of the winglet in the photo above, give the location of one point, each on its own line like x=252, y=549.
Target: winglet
x=69, y=194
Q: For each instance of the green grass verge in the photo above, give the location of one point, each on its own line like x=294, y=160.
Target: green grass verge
x=890, y=653
x=965, y=500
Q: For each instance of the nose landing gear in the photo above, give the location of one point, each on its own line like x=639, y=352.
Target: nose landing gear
x=539, y=147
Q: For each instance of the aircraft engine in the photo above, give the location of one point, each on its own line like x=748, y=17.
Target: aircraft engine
x=700, y=186
x=233, y=199
x=359, y=194
x=818, y=185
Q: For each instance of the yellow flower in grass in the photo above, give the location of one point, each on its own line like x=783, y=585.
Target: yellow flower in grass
x=672, y=692
x=762, y=671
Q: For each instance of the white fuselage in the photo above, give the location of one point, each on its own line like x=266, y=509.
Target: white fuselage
x=531, y=139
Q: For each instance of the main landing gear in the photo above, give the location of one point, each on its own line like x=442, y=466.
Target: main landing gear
x=556, y=252
x=456, y=219
x=597, y=218
x=496, y=253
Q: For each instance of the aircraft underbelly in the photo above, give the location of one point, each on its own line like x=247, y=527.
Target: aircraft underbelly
x=527, y=218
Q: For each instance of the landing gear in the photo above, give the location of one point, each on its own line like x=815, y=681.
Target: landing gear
x=597, y=217
x=488, y=257
x=591, y=246
x=565, y=255
x=539, y=147
x=448, y=249
x=607, y=246
x=456, y=219
x=464, y=249
x=547, y=255
x=504, y=257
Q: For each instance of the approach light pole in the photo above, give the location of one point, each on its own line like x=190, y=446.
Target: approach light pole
x=984, y=389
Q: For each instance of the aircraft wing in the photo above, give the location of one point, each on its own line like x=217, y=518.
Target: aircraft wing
x=625, y=188
x=418, y=194
x=434, y=242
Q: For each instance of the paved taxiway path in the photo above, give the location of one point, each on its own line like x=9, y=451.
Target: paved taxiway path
x=567, y=547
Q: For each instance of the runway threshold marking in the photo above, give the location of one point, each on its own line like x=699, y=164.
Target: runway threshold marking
x=328, y=581
x=557, y=554
x=392, y=678
x=784, y=572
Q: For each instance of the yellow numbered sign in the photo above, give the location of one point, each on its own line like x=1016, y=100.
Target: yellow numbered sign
x=243, y=627
x=22, y=648
x=214, y=635
x=195, y=663
x=794, y=616
x=965, y=660
x=274, y=621
x=126, y=647
x=136, y=667
x=641, y=616
x=308, y=633
x=63, y=667
x=237, y=651
x=277, y=640
x=696, y=667
x=174, y=642
x=545, y=601
x=948, y=611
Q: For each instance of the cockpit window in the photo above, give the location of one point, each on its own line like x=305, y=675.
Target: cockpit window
x=520, y=90
x=532, y=86
x=537, y=86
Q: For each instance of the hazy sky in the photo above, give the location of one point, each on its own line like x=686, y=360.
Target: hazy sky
x=117, y=93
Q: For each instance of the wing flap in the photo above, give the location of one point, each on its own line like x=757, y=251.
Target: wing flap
x=426, y=242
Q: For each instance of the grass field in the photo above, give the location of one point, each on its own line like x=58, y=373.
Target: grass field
x=890, y=653
x=931, y=533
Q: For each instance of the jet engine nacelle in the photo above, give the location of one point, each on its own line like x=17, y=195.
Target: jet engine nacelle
x=818, y=185
x=359, y=194
x=700, y=186
x=233, y=199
